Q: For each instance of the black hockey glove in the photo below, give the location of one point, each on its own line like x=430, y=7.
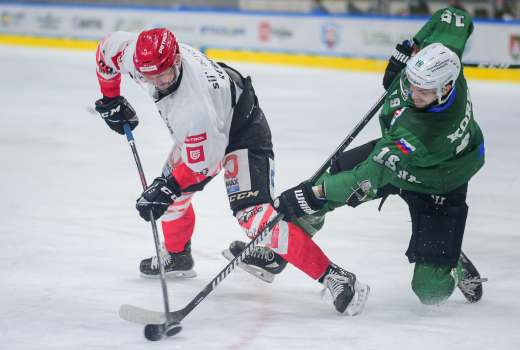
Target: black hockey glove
x=397, y=62
x=157, y=197
x=116, y=112
x=298, y=201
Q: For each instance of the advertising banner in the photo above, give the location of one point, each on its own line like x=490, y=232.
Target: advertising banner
x=360, y=37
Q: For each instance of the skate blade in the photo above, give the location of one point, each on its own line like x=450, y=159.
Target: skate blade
x=357, y=304
x=253, y=270
x=174, y=274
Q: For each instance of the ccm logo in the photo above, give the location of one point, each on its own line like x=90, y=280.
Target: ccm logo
x=243, y=195
x=111, y=112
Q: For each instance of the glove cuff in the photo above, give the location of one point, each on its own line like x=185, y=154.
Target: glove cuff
x=400, y=57
x=173, y=185
x=314, y=202
x=107, y=99
x=403, y=51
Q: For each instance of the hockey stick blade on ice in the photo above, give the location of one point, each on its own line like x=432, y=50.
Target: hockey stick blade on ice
x=156, y=325
x=136, y=314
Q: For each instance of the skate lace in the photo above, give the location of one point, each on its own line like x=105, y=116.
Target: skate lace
x=263, y=254
x=335, y=283
x=165, y=258
x=469, y=285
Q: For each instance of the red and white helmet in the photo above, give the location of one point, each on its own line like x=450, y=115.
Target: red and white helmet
x=156, y=51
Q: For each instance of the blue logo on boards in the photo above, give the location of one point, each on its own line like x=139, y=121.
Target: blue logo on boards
x=330, y=34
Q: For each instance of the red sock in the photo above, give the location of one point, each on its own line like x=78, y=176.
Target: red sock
x=179, y=231
x=305, y=254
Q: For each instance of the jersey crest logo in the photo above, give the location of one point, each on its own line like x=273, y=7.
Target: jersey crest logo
x=195, y=154
x=396, y=115
x=404, y=146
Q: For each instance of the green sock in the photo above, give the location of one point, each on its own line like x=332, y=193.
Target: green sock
x=433, y=283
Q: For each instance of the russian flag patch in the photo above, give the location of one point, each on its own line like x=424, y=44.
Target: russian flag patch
x=404, y=146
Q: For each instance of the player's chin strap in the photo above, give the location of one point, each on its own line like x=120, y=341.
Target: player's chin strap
x=138, y=314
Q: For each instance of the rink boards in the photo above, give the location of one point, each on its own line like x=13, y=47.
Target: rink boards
x=313, y=61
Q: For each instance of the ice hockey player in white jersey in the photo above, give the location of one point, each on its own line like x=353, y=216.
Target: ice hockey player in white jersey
x=215, y=122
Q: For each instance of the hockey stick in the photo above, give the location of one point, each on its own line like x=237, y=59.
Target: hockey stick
x=155, y=321
x=171, y=327
x=492, y=65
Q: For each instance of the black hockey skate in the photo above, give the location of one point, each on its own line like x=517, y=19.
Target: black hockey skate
x=175, y=264
x=349, y=295
x=471, y=283
x=262, y=262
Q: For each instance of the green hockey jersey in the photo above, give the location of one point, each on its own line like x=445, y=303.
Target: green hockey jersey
x=430, y=151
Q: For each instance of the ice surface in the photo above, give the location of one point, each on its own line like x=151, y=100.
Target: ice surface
x=71, y=239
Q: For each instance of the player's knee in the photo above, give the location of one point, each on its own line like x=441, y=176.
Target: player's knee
x=428, y=293
x=432, y=284
x=182, y=220
x=252, y=219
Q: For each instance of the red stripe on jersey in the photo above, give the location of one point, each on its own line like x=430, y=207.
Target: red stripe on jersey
x=186, y=177
x=116, y=60
x=181, y=202
x=109, y=87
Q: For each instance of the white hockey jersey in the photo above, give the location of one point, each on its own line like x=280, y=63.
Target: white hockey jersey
x=198, y=113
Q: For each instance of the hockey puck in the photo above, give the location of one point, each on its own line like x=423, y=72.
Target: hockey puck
x=173, y=328
x=155, y=332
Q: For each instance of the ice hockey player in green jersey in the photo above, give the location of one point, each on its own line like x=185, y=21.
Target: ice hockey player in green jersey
x=431, y=146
